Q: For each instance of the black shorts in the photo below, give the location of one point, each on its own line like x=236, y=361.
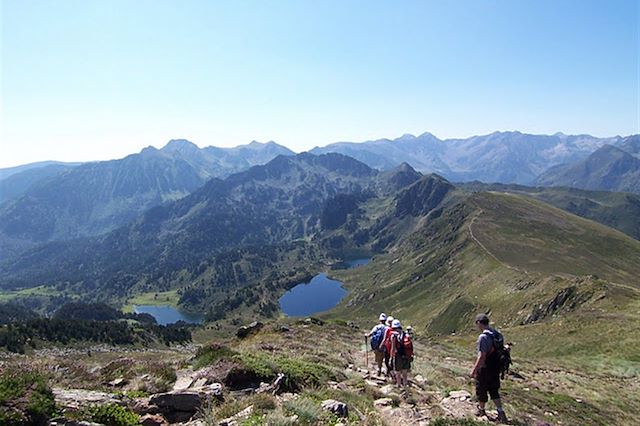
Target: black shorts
x=487, y=381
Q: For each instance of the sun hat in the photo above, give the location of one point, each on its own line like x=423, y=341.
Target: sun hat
x=383, y=317
x=396, y=324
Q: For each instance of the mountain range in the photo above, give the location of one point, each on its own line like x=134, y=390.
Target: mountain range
x=239, y=242
x=59, y=202
x=609, y=168
x=50, y=201
x=505, y=157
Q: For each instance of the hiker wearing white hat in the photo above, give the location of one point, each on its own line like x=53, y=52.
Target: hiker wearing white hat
x=401, y=353
x=377, y=334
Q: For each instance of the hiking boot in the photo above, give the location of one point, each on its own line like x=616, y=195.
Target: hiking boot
x=502, y=418
x=480, y=412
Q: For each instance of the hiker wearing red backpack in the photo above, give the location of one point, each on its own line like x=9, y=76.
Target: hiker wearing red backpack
x=386, y=345
x=377, y=335
x=401, y=353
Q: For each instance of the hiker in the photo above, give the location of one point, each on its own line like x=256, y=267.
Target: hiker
x=410, y=332
x=486, y=370
x=401, y=353
x=377, y=335
x=386, y=346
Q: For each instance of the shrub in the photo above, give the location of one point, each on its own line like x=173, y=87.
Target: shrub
x=25, y=398
x=209, y=354
x=308, y=412
x=112, y=415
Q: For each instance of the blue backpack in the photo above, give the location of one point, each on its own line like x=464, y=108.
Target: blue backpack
x=377, y=336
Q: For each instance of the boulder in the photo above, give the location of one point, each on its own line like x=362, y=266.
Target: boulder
x=185, y=401
x=73, y=399
x=246, y=330
x=338, y=408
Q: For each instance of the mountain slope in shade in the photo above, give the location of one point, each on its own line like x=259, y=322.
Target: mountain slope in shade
x=267, y=225
x=608, y=169
x=507, y=157
x=8, y=171
x=18, y=183
x=97, y=197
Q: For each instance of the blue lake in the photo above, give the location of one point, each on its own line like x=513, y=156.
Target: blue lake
x=318, y=295
x=165, y=314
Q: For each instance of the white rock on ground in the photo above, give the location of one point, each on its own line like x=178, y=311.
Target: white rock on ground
x=336, y=407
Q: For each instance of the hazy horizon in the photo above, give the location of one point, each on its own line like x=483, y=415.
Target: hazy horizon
x=85, y=81
x=200, y=145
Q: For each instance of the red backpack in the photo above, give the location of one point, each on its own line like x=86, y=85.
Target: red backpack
x=404, y=345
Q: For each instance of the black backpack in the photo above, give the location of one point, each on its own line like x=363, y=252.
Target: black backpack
x=500, y=358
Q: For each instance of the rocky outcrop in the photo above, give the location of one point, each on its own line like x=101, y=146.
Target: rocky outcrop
x=246, y=330
x=564, y=299
x=74, y=399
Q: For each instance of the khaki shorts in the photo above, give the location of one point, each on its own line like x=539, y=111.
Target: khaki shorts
x=379, y=356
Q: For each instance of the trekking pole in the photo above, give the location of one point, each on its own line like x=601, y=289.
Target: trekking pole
x=366, y=353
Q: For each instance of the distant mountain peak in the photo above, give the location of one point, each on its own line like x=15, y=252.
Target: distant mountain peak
x=179, y=145
x=406, y=137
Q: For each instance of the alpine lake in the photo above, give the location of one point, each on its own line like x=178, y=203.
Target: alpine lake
x=319, y=294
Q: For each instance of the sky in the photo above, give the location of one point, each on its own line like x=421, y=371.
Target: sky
x=96, y=80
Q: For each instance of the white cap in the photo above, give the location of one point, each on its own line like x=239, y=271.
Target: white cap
x=396, y=324
x=383, y=317
x=389, y=319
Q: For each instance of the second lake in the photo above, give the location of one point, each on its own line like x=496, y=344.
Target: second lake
x=318, y=295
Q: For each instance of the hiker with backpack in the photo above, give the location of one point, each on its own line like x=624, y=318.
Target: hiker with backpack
x=486, y=370
x=377, y=335
x=401, y=353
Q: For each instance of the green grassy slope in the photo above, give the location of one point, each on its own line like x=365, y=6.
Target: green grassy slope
x=534, y=268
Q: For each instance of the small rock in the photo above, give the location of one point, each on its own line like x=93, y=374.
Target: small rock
x=383, y=402
x=117, y=382
x=153, y=420
x=389, y=390
x=419, y=379
x=336, y=407
x=460, y=394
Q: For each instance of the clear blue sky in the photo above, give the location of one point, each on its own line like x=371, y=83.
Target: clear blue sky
x=87, y=80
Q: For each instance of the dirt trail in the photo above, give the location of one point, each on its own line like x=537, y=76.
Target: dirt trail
x=417, y=404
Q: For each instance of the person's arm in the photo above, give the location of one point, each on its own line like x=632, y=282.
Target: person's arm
x=479, y=363
x=393, y=344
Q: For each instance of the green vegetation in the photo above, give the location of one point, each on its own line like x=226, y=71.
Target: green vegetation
x=25, y=397
x=45, y=291
x=256, y=367
x=169, y=298
x=79, y=322
x=111, y=415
